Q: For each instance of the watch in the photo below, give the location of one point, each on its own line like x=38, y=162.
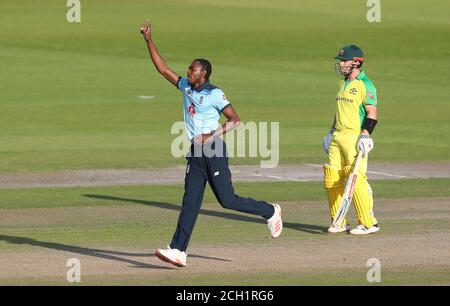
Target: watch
x=213, y=133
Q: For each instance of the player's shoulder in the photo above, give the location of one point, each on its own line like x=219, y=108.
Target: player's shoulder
x=215, y=91
x=183, y=83
x=219, y=97
x=368, y=84
x=369, y=92
x=219, y=94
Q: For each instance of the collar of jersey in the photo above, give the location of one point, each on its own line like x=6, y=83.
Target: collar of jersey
x=361, y=75
x=206, y=85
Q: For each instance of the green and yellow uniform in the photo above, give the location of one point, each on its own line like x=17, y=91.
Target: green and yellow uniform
x=352, y=97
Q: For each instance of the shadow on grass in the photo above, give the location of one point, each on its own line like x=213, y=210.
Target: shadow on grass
x=105, y=254
x=308, y=228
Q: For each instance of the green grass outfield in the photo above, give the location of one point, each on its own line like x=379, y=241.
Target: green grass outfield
x=282, y=191
x=86, y=221
x=409, y=276
x=69, y=92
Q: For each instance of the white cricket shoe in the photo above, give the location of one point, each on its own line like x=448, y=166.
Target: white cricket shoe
x=362, y=230
x=275, y=223
x=172, y=256
x=333, y=229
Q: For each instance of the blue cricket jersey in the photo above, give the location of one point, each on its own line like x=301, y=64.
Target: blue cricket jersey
x=202, y=107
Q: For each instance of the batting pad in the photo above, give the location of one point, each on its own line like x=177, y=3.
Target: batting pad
x=335, y=189
x=363, y=201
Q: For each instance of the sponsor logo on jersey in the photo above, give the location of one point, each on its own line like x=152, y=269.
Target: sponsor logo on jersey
x=191, y=109
x=343, y=99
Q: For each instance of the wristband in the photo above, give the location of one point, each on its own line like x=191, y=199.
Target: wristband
x=369, y=125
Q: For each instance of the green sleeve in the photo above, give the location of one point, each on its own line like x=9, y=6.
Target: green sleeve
x=371, y=93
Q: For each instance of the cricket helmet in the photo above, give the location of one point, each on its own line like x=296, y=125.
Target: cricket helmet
x=350, y=52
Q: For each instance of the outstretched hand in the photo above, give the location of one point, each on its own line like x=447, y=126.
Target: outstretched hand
x=146, y=30
x=158, y=61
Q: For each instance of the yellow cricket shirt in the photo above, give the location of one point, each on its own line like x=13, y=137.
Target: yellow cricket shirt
x=352, y=97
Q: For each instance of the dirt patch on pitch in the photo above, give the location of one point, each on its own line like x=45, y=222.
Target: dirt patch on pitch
x=300, y=173
x=341, y=252
x=418, y=246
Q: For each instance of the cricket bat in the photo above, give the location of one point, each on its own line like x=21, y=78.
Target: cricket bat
x=348, y=194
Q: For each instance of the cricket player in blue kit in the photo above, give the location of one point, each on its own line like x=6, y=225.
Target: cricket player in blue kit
x=207, y=160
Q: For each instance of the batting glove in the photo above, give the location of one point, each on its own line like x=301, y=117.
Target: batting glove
x=327, y=141
x=365, y=144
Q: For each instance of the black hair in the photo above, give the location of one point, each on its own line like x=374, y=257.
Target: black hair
x=206, y=65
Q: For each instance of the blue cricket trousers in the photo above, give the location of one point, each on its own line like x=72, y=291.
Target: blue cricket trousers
x=202, y=167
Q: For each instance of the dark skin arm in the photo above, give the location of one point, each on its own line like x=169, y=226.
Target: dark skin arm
x=158, y=61
x=232, y=122
x=162, y=67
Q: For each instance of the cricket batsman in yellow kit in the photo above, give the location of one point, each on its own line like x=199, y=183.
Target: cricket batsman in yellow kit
x=354, y=122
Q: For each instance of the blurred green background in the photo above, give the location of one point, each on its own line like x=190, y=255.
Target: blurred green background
x=70, y=92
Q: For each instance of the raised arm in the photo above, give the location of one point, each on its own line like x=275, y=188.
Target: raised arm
x=158, y=61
